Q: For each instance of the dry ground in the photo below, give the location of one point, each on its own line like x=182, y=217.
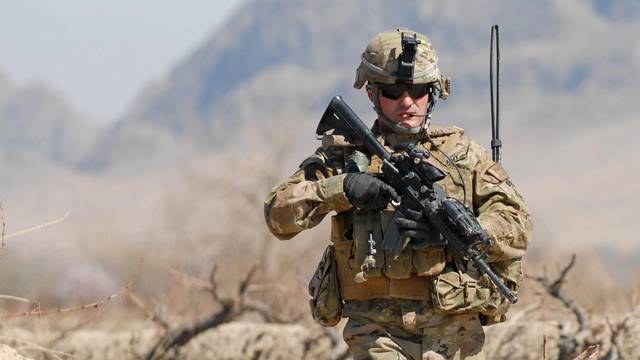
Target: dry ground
x=180, y=221
x=521, y=339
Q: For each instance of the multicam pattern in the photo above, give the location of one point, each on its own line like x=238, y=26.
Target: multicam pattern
x=304, y=199
x=406, y=329
x=400, y=327
x=299, y=203
x=380, y=61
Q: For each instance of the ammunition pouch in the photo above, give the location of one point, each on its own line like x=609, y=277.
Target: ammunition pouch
x=324, y=289
x=406, y=277
x=428, y=275
x=458, y=292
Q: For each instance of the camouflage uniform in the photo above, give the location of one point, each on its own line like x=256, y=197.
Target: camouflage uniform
x=392, y=315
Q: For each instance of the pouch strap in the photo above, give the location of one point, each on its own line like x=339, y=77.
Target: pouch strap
x=470, y=290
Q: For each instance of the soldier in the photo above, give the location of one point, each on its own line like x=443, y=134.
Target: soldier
x=424, y=304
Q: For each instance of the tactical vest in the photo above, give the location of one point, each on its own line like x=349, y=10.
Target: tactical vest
x=407, y=276
x=427, y=275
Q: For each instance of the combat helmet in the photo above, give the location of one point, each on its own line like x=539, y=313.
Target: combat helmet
x=401, y=56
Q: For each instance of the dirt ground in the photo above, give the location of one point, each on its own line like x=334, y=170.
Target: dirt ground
x=518, y=338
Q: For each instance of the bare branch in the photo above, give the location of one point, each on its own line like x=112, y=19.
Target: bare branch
x=569, y=342
x=615, y=331
x=554, y=288
x=94, y=305
x=592, y=352
x=34, y=228
x=153, y=315
x=247, y=279
x=177, y=338
x=190, y=280
x=172, y=340
x=615, y=334
x=212, y=282
x=41, y=312
x=19, y=299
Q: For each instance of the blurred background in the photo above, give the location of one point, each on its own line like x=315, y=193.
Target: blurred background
x=161, y=126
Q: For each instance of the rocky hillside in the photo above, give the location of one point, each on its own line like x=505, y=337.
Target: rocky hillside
x=569, y=87
x=42, y=138
x=566, y=65
x=36, y=120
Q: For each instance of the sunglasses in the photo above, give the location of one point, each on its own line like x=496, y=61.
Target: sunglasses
x=395, y=91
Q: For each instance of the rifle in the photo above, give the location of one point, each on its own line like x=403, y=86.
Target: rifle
x=416, y=181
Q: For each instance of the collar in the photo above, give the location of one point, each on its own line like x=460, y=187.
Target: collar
x=393, y=139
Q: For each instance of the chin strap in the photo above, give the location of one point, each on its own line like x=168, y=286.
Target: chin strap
x=401, y=129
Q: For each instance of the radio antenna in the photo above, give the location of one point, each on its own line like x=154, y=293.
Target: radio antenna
x=496, y=143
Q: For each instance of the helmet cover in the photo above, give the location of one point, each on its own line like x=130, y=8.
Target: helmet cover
x=382, y=61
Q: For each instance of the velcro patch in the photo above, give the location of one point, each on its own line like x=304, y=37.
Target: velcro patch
x=496, y=174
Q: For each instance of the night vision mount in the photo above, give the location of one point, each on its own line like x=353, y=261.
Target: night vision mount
x=407, y=60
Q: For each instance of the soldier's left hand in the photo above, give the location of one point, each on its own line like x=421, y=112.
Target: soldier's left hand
x=417, y=227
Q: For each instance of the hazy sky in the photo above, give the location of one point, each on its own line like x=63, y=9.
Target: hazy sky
x=99, y=54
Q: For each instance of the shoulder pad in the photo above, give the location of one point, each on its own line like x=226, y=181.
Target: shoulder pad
x=451, y=141
x=442, y=130
x=495, y=173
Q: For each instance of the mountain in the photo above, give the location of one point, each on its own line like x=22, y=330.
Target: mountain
x=255, y=90
x=37, y=122
x=565, y=65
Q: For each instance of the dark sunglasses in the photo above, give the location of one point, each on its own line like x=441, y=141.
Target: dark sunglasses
x=394, y=91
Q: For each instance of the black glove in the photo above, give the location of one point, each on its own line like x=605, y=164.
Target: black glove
x=417, y=227
x=367, y=192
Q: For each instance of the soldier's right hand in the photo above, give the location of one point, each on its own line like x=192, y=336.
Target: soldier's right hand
x=415, y=226
x=367, y=192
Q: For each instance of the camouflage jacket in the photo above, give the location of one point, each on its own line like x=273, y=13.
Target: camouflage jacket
x=306, y=197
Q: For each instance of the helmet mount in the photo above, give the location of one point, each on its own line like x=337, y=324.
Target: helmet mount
x=407, y=59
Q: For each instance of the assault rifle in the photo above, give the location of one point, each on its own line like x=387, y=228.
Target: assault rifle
x=408, y=172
